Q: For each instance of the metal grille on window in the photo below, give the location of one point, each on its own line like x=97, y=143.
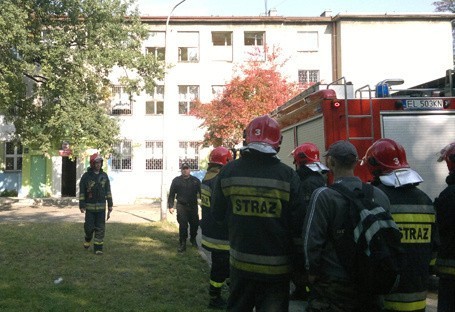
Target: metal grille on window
x=121, y=160
x=189, y=153
x=153, y=155
x=307, y=76
x=121, y=102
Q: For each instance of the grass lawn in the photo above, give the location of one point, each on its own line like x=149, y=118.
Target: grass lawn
x=140, y=270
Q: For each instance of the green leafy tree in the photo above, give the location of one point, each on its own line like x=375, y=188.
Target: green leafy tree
x=56, y=58
x=257, y=88
x=445, y=6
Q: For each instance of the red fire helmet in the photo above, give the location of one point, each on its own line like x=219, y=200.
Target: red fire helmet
x=264, y=129
x=448, y=155
x=385, y=156
x=220, y=155
x=305, y=153
x=95, y=157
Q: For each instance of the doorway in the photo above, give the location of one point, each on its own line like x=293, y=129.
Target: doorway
x=68, y=177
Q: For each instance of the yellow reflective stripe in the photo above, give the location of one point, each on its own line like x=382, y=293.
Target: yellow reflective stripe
x=411, y=208
x=256, y=183
x=259, y=268
x=261, y=259
x=215, y=243
x=216, y=284
x=445, y=270
x=260, y=192
x=256, y=207
x=205, y=196
x=415, y=233
x=433, y=262
x=413, y=217
x=405, y=306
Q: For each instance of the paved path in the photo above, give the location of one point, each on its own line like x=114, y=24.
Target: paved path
x=12, y=210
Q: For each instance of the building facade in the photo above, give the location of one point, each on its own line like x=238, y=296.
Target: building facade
x=202, y=53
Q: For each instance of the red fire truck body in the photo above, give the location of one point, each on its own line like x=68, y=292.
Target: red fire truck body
x=421, y=119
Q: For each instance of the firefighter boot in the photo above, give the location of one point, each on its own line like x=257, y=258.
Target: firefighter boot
x=182, y=246
x=216, y=302
x=98, y=249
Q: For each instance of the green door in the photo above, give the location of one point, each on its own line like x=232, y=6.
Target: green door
x=37, y=176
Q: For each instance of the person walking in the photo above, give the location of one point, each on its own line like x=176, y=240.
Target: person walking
x=331, y=287
x=445, y=218
x=94, y=193
x=414, y=214
x=258, y=196
x=215, y=236
x=187, y=189
x=310, y=170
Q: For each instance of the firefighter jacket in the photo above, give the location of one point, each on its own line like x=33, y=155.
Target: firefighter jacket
x=309, y=181
x=258, y=195
x=214, y=235
x=94, y=191
x=412, y=210
x=445, y=216
x=187, y=190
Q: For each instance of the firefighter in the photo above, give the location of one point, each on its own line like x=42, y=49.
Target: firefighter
x=95, y=191
x=215, y=237
x=257, y=195
x=310, y=170
x=413, y=212
x=445, y=218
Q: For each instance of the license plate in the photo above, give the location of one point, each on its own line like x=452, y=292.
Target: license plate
x=423, y=104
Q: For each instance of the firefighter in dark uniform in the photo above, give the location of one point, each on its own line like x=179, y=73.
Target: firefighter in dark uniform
x=94, y=193
x=310, y=171
x=258, y=197
x=413, y=212
x=445, y=218
x=188, y=190
x=215, y=236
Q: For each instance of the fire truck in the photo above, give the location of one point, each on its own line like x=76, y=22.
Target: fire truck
x=421, y=118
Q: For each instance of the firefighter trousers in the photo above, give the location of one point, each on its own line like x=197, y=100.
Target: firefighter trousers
x=219, y=271
x=187, y=214
x=95, y=224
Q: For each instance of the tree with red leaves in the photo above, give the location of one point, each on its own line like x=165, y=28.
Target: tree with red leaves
x=256, y=88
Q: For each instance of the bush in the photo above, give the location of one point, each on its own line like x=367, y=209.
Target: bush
x=8, y=193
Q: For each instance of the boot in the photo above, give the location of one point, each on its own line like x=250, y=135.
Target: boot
x=182, y=246
x=217, y=303
x=193, y=242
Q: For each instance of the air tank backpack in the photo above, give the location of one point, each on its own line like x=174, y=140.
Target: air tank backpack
x=370, y=246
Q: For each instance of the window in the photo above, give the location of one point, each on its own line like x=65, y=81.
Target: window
x=13, y=156
x=217, y=91
x=222, y=38
x=155, y=44
x=153, y=155
x=187, y=95
x=159, y=53
x=121, y=101
x=254, y=38
x=155, y=105
x=307, y=41
x=189, y=153
x=121, y=159
x=308, y=76
x=188, y=43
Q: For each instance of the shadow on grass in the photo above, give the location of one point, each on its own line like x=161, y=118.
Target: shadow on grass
x=140, y=270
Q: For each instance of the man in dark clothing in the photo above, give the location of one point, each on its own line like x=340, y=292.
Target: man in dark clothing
x=94, y=192
x=445, y=218
x=331, y=287
x=310, y=171
x=215, y=236
x=258, y=196
x=188, y=189
x=413, y=212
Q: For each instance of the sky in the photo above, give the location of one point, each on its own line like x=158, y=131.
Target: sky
x=307, y=8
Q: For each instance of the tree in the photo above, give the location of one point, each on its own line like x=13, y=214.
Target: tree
x=257, y=87
x=445, y=6
x=56, y=61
